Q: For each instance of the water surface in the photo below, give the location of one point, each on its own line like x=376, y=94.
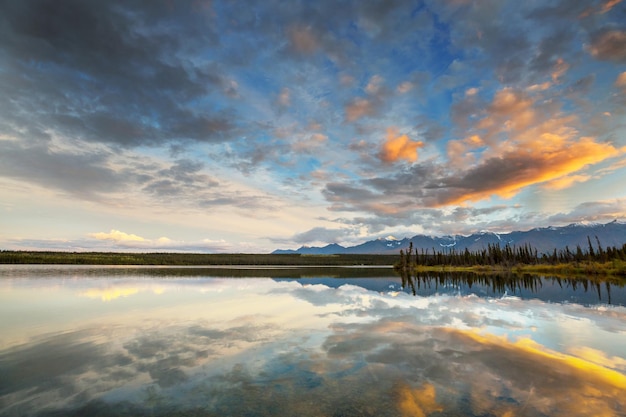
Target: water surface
x=314, y=342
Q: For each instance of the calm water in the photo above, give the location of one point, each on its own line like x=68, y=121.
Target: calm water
x=119, y=341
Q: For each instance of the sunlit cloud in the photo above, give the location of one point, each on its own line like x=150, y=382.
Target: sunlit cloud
x=560, y=67
x=540, y=87
x=551, y=158
x=608, y=5
x=374, y=85
x=404, y=87
x=538, y=149
x=461, y=151
x=117, y=236
x=116, y=239
x=603, y=8
x=566, y=181
x=621, y=80
x=399, y=147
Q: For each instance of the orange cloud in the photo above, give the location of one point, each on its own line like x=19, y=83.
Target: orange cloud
x=399, y=147
x=560, y=68
x=459, y=151
x=609, y=5
x=522, y=145
x=549, y=159
x=621, y=80
x=512, y=109
x=604, y=8
x=566, y=182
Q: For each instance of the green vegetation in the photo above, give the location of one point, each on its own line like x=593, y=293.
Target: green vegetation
x=190, y=259
x=592, y=260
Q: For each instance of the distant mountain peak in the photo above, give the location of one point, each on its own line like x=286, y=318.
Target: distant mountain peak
x=544, y=239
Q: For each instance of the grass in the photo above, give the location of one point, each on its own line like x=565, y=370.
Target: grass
x=191, y=259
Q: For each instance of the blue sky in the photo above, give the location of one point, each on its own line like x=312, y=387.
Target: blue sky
x=220, y=126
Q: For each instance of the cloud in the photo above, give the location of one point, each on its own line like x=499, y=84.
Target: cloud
x=592, y=211
x=512, y=171
x=109, y=72
x=359, y=108
x=566, y=182
x=608, y=5
x=399, y=147
x=621, y=80
x=404, y=87
x=117, y=236
x=609, y=45
x=128, y=241
x=517, y=141
x=302, y=39
x=83, y=173
x=603, y=8
x=321, y=234
x=284, y=98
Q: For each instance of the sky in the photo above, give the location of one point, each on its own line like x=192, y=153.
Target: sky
x=231, y=126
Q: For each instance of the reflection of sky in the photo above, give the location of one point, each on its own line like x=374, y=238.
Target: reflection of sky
x=224, y=346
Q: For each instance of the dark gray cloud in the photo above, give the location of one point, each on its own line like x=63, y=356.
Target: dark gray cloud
x=609, y=45
x=119, y=73
x=183, y=178
x=86, y=175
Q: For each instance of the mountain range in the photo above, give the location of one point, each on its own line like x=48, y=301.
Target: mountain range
x=544, y=239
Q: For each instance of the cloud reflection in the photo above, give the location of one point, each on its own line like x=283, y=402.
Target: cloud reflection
x=316, y=350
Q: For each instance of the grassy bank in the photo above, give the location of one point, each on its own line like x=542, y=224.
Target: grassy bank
x=615, y=268
x=190, y=259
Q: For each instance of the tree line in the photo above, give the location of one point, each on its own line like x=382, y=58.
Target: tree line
x=509, y=256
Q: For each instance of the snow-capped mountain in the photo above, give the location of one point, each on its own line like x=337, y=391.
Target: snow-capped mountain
x=544, y=239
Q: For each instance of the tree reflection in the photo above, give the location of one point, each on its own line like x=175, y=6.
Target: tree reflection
x=504, y=283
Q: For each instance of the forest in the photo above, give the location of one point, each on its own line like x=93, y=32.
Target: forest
x=593, y=258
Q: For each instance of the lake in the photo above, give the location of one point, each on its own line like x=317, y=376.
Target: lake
x=164, y=341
